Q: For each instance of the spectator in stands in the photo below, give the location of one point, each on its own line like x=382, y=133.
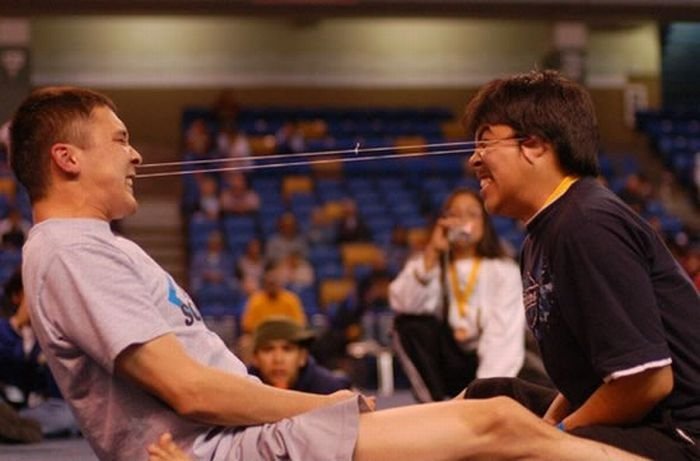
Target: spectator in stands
x=250, y=266
x=213, y=265
x=614, y=315
x=350, y=227
x=236, y=197
x=13, y=230
x=272, y=300
x=198, y=141
x=637, y=192
x=297, y=273
x=209, y=204
x=286, y=240
x=290, y=139
x=23, y=366
x=281, y=359
x=459, y=304
x=321, y=229
x=363, y=315
x=233, y=144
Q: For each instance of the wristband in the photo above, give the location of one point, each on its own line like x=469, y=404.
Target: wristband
x=560, y=426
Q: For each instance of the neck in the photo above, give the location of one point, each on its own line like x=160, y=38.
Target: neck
x=63, y=209
x=463, y=252
x=552, y=188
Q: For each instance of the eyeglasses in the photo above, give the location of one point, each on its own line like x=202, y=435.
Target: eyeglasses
x=482, y=145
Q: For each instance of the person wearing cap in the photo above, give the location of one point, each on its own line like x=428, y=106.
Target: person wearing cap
x=281, y=359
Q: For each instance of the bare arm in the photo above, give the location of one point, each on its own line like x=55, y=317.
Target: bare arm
x=163, y=368
x=558, y=410
x=625, y=400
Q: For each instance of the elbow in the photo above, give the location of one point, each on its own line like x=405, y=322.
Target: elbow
x=664, y=383
x=189, y=402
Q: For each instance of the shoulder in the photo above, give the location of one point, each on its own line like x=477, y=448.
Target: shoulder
x=501, y=270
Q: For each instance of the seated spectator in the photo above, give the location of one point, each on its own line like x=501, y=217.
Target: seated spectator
x=236, y=197
x=459, y=304
x=290, y=139
x=209, y=205
x=272, y=300
x=14, y=229
x=232, y=143
x=363, y=315
x=281, y=359
x=637, y=192
x=213, y=265
x=250, y=266
x=350, y=227
x=23, y=366
x=297, y=272
x=198, y=140
x=321, y=229
x=286, y=240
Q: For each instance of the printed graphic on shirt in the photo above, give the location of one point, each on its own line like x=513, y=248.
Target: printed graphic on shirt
x=186, y=306
x=538, y=297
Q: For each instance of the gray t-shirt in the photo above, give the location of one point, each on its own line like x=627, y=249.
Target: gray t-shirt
x=91, y=294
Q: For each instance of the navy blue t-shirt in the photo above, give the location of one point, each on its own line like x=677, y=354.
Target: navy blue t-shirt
x=605, y=298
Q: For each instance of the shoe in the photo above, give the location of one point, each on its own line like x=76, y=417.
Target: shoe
x=15, y=429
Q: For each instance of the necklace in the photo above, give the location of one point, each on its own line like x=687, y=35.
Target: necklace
x=462, y=295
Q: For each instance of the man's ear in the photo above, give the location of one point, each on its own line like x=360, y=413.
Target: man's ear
x=65, y=157
x=533, y=148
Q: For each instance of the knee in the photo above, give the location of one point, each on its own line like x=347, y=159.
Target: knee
x=487, y=416
x=506, y=417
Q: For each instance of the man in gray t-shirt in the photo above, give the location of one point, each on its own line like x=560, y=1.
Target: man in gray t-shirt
x=134, y=360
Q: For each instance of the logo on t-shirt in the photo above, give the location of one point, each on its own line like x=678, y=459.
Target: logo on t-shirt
x=186, y=306
x=538, y=297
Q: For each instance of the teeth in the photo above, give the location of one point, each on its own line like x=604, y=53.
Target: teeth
x=484, y=182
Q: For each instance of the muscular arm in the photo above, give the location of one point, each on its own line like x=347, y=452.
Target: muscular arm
x=163, y=368
x=625, y=400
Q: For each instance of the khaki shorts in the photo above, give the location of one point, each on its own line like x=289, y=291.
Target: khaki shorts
x=324, y=434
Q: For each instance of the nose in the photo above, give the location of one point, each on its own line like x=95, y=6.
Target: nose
x=475, y=160
x=136, y=157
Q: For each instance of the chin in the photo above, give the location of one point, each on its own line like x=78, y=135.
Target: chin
x=127, y=210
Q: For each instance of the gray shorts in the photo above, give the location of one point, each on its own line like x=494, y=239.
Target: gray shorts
x=324, y=434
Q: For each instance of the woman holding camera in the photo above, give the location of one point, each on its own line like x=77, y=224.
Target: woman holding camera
x=459, y=304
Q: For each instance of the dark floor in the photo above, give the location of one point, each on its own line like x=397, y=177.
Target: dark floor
x=79, y=450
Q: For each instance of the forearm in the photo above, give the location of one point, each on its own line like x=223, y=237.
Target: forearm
x=208, y=394
x=558, y=410
x=623, y=401
x=415, y=290
x=225, y=399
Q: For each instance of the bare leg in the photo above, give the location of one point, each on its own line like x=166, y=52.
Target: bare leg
x=166, y=450
x=497, y=428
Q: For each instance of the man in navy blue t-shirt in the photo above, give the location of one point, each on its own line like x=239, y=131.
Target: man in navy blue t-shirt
x=615, y=316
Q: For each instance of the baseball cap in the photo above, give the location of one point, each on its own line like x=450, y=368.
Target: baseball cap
x=281, y=328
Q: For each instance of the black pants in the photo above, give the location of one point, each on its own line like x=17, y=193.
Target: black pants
x=434, y=363
x=658, y=440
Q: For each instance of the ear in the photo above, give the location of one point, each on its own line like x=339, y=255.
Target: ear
x=65, y=157
x=533, y=148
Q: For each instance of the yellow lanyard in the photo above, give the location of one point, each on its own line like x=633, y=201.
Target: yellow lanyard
x=560, y=190
x=462, y=296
